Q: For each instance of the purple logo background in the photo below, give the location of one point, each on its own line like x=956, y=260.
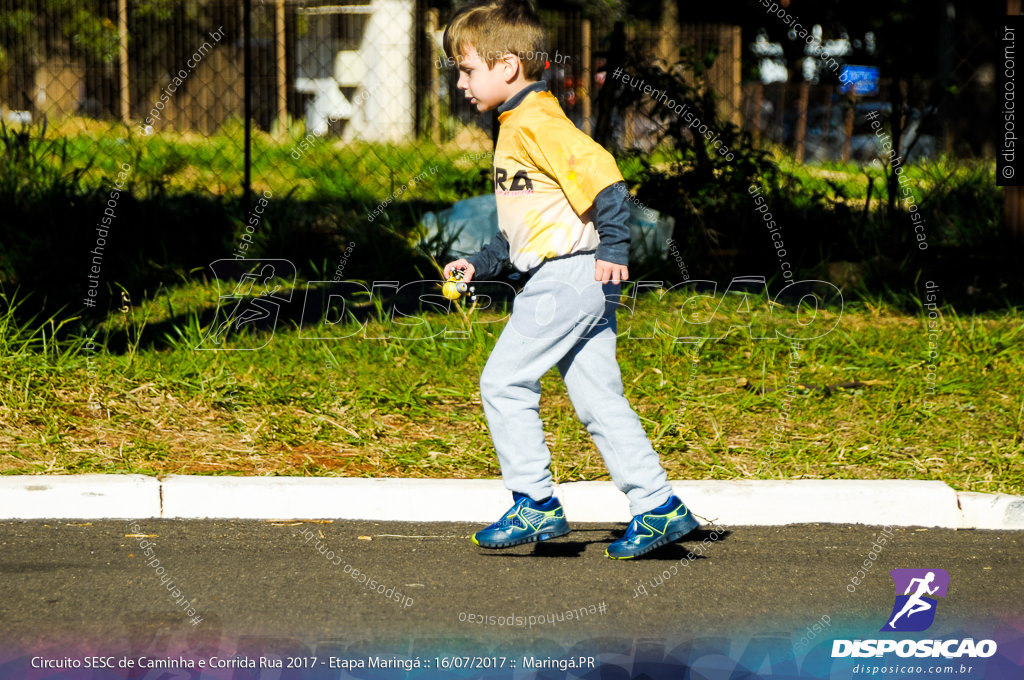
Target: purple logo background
x=915, y=605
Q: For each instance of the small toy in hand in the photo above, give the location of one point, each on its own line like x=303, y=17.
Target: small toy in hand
x=455, y=287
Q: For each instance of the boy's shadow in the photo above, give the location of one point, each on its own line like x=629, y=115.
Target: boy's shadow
x=678, y=550
x=555, y=548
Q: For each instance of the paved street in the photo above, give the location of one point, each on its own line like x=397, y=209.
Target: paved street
x=68, y=583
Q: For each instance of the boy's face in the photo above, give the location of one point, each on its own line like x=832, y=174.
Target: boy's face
x=487, y=88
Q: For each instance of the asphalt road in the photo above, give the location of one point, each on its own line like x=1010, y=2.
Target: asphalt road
x=265, y=585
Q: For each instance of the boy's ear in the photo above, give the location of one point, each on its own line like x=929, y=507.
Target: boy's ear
x=511, y=66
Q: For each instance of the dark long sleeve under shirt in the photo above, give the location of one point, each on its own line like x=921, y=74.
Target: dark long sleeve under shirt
x=611, y=212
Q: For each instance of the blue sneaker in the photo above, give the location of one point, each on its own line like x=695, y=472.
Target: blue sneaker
x=525, y=522
x=664, y=524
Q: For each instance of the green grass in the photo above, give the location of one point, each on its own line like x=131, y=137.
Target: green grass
x=330, y=169
x=371, y=407
x=380, y=408
x=849, y=181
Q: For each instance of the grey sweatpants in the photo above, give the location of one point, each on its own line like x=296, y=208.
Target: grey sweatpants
x=563, y=318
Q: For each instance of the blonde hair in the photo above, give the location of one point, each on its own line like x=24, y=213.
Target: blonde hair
x=495, y=28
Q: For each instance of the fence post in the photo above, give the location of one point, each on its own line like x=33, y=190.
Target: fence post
x=247, y=106
x=736, y=91
x=282, y=72
x=586, y=74
x=434, y=96
x=669, y=38
x=122, y=36
x=801, y=122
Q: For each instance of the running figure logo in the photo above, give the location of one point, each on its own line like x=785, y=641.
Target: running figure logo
x=254, y=302
x=914, y=610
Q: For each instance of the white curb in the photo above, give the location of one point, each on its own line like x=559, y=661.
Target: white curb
x=79, y=496
x=828, y=501
x=775, y=503
x=991, y=511
x=417, y=500
x=726, y=503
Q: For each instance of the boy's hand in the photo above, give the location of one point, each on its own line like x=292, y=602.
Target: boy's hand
x=463, y=264
x=609, y=271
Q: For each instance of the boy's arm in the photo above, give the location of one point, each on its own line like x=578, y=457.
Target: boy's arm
x=611, y=215
x=491, y=258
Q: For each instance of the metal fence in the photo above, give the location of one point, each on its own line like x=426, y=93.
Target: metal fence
x=366, y=71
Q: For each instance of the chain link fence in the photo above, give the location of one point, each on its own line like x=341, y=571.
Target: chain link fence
x=346, y=79
x=346, y=76
x=342, y=105
x=359, y=75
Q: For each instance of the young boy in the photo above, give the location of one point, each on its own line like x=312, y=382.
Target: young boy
x=562, y=217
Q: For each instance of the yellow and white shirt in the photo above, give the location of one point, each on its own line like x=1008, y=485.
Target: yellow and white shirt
x=547, y=174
